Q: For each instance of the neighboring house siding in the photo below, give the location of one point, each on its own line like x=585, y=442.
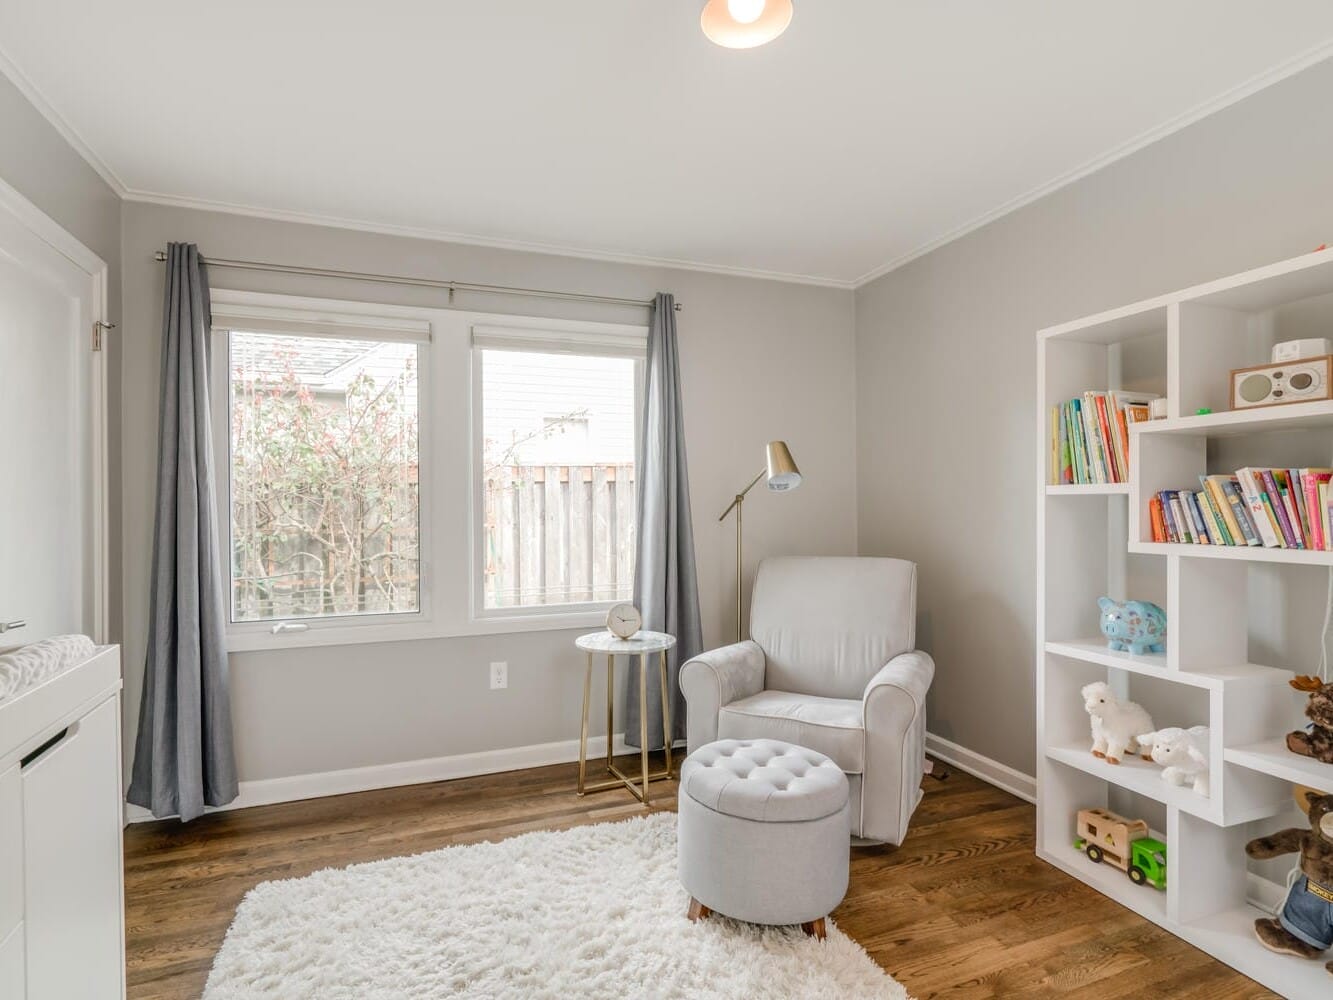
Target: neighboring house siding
x=522, y=392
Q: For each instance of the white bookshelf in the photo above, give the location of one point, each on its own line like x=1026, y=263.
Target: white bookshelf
x=1096, y=539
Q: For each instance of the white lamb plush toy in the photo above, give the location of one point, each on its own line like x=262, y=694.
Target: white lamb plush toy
x=1115, y=723
x=1184, y=754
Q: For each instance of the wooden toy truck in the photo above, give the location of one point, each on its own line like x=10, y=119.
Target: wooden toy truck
x=1125, y=843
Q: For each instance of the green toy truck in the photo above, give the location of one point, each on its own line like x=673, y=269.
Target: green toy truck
x=1104, y=836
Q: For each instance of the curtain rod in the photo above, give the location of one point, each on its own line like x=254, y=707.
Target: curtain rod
x=394, y=279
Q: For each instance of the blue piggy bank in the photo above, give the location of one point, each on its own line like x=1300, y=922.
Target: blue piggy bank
x=1136, y=626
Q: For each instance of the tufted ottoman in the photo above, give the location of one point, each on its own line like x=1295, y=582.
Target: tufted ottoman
x=764, y=833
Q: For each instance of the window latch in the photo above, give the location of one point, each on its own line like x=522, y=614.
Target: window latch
x=284, y=627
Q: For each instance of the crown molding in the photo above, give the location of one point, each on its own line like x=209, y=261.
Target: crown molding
x=34, y=97
x=1252, y=86
x=469, y=239
x=1276, y=74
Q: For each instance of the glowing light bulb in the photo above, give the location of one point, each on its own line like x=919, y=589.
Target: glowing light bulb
x=743, y=24
x=745, y=11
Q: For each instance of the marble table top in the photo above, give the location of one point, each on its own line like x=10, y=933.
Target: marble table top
x=641, y=642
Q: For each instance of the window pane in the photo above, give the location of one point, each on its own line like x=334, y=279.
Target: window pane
x=558, y=436
x=324, y=469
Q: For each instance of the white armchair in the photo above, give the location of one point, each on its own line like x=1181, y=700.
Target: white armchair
x=831, y=666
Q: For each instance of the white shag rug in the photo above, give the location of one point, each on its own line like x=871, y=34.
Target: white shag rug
x=595, y=911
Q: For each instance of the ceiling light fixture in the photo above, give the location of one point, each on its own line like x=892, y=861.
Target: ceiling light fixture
x=743, y=24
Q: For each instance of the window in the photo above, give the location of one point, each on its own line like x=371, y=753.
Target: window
x=558, y=429
x=323, y=452
x=401, y=472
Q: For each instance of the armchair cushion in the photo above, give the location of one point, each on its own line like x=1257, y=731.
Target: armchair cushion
x=827, y=624
x=830, y=725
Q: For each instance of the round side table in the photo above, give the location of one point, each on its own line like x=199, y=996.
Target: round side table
x=641, y=644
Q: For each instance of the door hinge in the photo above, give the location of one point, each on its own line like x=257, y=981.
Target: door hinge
x=98, y=327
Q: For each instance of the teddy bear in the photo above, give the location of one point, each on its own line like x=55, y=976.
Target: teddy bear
x=1184, y=754
x=1115, y=723
x=1305, y=926
x=1318, y=742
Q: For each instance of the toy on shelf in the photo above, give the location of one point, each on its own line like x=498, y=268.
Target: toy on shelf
x=1305, y=926
x=1135, y=626
x=1183, y=753
x=1104, y=836
x=1116, y=724
x=1318, y=741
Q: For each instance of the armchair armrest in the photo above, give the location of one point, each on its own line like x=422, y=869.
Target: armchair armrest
x=894, y=708
x=717, y=678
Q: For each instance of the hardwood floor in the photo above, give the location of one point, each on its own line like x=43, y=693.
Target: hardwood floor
x=963, y=909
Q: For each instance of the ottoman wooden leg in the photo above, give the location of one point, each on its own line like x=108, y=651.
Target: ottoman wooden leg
x=697, y=910
x=815, y=929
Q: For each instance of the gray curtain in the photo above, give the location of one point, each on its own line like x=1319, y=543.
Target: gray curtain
x=666, y=587
x=183, y=756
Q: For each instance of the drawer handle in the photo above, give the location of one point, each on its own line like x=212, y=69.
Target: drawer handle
x=49, y=746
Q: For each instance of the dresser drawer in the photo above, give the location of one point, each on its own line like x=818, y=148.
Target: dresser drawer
x=11, y=853
x=71, y=862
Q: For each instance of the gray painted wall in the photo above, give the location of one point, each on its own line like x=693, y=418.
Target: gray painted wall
x=941, y=357
x=946, y=372
x=36, y=161
x=760, y=360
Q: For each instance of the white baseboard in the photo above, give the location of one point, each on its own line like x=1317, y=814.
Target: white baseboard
x=990, y=771
x=411, y=772
x=294, y=788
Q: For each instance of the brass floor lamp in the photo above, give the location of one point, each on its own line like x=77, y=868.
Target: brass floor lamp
x=782, y=476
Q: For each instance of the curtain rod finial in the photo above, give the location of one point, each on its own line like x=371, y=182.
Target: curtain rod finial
x=160, y=256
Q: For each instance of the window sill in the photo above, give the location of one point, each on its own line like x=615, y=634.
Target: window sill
x=351, y=635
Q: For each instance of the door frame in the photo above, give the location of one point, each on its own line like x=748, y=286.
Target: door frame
x=91, y=272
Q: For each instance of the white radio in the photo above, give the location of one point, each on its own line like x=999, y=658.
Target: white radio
x=1287, y=382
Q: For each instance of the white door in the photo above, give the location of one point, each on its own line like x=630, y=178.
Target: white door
x=52, y=454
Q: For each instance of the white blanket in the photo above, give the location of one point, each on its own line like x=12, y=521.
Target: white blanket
x=40, y=661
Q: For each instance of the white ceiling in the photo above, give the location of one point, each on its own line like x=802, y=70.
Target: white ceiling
x=871, y=130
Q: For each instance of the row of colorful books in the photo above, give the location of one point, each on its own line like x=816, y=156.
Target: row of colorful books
x=1275, y=508
x=1090, y=436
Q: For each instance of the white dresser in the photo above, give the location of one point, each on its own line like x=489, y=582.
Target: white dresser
x=62, y=924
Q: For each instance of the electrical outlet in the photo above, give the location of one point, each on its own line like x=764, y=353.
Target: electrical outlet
x=499, y=675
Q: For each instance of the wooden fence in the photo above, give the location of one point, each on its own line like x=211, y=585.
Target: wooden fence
x=558, y=534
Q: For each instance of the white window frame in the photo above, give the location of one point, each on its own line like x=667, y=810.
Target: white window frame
x=549, y=337
x=283, y=315
x=449, y=503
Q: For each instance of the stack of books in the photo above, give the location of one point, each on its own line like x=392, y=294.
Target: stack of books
x=1275, y=508
x=1090, y=436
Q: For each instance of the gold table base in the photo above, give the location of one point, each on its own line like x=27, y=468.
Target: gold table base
x=638, y=785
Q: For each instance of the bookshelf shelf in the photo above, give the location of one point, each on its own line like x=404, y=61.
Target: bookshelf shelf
x=1230, y=933
x=1115, y=326
x=1244, y=553
x=1135, y=775
x=1088, y=490
x=1109, y=881
x=1272, y=757
x=1155, y=665
x=1220, y=601
x=1093, y=650
x=1267, y=419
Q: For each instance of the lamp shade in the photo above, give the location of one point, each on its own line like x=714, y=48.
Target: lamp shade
x=782, y=472
x=743, y=24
